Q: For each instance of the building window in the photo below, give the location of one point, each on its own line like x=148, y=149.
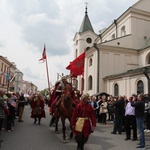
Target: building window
x=148, y=59
x=123, y=31
x=90, y=83
x=82, y=84
x=113, y=36
x=87, y=48
x=89, y=40
x=140, y=87
x=90, y=62
x=76, y=42
x=116, y=90
x=76, y=53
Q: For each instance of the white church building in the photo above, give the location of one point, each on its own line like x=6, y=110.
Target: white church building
x=118, y=59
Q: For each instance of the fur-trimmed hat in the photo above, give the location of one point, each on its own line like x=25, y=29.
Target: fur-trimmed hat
x=85, y=95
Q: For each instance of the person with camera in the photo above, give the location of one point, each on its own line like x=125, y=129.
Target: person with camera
x=139, y=113
x=130, y=120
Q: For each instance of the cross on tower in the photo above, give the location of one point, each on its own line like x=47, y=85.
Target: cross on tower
x=86, y=3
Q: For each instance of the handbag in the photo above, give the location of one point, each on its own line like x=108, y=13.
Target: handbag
x=105, y=110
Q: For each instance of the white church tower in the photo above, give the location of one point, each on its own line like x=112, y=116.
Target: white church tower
x=83, y=40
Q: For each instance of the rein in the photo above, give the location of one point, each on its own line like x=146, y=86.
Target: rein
x=67, y=111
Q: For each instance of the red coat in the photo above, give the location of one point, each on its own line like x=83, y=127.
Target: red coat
x=54, y=94
x=82, y=110
x=38, y=109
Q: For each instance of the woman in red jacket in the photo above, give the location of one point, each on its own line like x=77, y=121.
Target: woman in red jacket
x=38, y=111
x=80, y=122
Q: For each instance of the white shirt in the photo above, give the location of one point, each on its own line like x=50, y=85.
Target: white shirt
x=129, y=110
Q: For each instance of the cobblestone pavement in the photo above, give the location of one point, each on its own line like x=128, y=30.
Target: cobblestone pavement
x=29, y=136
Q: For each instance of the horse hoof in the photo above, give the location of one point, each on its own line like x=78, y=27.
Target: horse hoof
x=64, y=141
x=70, y=139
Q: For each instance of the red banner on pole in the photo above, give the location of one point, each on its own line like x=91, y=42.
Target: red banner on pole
x=76, y=67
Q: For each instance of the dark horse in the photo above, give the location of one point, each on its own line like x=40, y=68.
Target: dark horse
x=65, y=109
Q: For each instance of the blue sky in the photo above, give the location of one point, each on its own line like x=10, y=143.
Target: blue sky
x=27, y=24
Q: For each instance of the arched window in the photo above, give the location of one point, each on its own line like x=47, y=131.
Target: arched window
x=87, y=48
x=76, y=42
x=116, y=90
x=90, y=83
x=123, y=31
x=90, y=62
x=148, y=59
x=82, y=84
x=140, y=87
x=76, y=53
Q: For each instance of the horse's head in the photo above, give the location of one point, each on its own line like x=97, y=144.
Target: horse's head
x=68, y=90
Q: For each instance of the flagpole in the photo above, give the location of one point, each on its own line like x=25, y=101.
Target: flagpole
x=44, y=57
x=47, y=75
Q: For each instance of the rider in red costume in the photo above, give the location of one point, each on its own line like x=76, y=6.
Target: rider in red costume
x=55, y=97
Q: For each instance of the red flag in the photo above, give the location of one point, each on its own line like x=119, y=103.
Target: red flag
x=43, y=54
x=76, y=67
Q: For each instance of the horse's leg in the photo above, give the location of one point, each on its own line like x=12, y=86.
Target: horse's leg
x=63, y=128
x=71, y=133
x=56, y=125
x=52, y=121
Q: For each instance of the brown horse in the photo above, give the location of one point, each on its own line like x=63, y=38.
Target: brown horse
x=65, y=109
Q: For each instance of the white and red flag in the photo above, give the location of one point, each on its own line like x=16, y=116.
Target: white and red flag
x=43, y=54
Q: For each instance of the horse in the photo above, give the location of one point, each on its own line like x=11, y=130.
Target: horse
x=65, y=110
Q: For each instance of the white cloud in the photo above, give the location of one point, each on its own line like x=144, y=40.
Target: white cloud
x=27, y=24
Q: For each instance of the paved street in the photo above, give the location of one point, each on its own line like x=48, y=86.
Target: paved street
x=27, y=136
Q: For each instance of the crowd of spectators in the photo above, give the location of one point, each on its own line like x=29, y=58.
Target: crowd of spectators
x=11, y=110
x=12, y=106
x=127, y=114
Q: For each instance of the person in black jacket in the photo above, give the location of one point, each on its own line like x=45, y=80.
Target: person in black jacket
x=119, y=115
x=21, y=105
x=139, y=113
